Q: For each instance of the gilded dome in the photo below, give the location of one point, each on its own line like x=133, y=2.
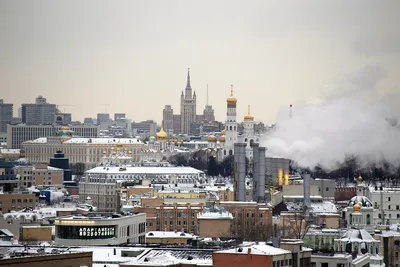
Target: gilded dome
x=248, y=117
x=161, y=135
x=357, y=207
x=231, y=100
x=222, y=139
x=223, y=132
x=212, y=138
x=359, y=179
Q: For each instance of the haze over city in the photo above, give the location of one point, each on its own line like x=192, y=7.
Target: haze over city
x=134, y=56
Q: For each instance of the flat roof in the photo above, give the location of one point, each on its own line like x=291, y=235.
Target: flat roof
x=145, y=170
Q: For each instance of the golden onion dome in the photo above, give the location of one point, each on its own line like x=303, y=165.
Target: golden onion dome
x=182, y=142
x=104, y=152
x=248, y=117
x=231, y=100
x=129, y=152
x=222, y=139
x=359, y=179
x=64, y=128
x=357, y=207
x=161, y=135
x=212, y=138
x=223, y=132
x=175, y=141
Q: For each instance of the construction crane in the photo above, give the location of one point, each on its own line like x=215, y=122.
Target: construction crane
x=58, y=110
x=105, y=107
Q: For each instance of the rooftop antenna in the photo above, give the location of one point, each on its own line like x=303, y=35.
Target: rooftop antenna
x=207, y=96
x=290, y=111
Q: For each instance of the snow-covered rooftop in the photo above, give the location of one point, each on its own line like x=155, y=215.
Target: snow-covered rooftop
x=103, y=141
x=145, y=170
x=256, y=250
x=358, y=235
x=6, y=151
x=169, y=234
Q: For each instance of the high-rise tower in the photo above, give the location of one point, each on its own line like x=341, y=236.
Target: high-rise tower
x=188, y=107
x=231, y=134
x=208, y=112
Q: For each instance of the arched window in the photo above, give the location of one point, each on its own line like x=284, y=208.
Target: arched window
x=230, y=128
x=224, y=152
x=368, y=219
x=230, y=152
x=351, y=218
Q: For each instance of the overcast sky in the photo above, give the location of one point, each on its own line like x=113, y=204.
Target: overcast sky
x=134, y=55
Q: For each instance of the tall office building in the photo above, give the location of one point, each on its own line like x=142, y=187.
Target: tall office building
x=39, y=113
x=183, y=122
x=168, y=119
x=6, y=115
x=208, y=112
x=103, y=118
x=188, y=107
x=148, y=128
x=17, y=134
x=119, y=116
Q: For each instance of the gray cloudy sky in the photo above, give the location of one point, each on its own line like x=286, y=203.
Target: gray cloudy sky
x=133, y=55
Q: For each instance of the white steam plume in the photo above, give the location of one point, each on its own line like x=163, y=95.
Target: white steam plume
x=350, y=118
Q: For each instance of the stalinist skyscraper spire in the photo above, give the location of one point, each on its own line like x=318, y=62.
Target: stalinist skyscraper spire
x=188, y=107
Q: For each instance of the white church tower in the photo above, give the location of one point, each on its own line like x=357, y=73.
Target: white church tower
x=231, y=130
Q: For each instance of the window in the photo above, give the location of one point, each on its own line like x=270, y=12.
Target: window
x=274, y=264
x=397, y=207
x=380, y=216
x=324, y=264
x=260, y=215
x=388, y=207
x=398, y=216
x=368, y=219
x=327, y=189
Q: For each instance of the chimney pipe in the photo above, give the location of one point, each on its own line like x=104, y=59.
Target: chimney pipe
x=256, y=162
x=306, y=188
x=240, y=171
x=261, y=174
x=249, y=251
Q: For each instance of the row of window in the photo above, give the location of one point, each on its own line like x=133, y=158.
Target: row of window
x=172, y=223
x=20, y=200
x=281, y=263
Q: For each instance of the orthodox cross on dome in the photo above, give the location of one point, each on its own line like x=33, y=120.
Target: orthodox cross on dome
x=248, y=110
x=231, y=90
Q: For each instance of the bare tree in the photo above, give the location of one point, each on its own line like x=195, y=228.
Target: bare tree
x=296, y=224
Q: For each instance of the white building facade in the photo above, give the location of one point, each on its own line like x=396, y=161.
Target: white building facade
x=100, y=230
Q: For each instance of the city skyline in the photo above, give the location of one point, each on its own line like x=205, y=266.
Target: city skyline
x=134, y=56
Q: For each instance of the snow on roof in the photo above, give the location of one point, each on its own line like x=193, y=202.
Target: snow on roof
x=214, y=215
x=362, y=200
x=103, y=141
x=6, y=151
x=166, y=257
x=358, y=235
x=41, y=140
x=169, y=234
x=146, y=170
x=256, y=250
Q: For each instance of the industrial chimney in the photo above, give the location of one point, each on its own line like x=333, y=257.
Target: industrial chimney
x=261, y=174
x=256, y=161
x=306, y=187
x=240, y=171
